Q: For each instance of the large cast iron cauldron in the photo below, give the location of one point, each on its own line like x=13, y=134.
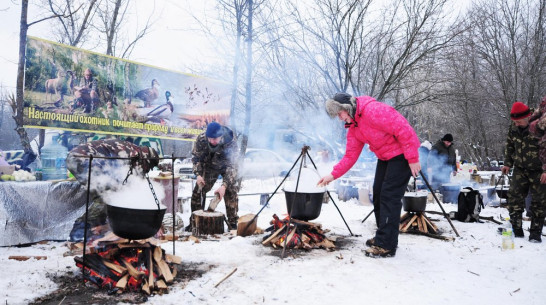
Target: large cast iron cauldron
x=415, y=202
x=306, y=205
x=135, y=223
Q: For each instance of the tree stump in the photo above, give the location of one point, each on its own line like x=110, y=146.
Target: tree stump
x=205, y=223
x=245, y=225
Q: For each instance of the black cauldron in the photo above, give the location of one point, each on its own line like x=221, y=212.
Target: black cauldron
x=414, y=203
x=306, y=205
x=134, y=223
x=502, y=191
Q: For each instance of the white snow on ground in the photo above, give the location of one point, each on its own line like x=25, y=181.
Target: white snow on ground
x=472, y=269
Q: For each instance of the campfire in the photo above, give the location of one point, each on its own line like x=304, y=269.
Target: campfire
x=136, y=266
x=419, y=223
x=300, y=235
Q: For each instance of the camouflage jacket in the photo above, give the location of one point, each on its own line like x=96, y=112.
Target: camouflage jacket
x=537, y=127
x=222, y=160
x=144, y=158
x=522, y=149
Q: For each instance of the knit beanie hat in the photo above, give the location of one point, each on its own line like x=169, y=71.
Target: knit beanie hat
x=214, y=130
x=447, y=137
x=341, y=101
x=519, y=111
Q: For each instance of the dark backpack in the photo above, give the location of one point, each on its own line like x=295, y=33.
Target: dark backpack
x=470, y=204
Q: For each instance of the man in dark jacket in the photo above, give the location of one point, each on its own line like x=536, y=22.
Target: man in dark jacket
x=442, y=161
x=77, y=162
x=214, y=153
x=522, y=154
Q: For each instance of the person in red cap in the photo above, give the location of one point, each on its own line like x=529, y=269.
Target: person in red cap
x=395, y=143
x=522, y=154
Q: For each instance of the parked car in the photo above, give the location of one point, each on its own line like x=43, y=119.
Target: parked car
x=263, y=163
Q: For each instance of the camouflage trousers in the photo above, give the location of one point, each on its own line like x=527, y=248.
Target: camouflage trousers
x=230, y=198
x=522, y=183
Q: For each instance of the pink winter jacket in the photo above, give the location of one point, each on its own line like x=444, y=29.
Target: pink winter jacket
x=384, y=129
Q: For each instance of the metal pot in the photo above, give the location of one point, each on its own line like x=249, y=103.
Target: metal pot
x=414, y=203
x=306, y=205
x=502, y=191
x=134, y=223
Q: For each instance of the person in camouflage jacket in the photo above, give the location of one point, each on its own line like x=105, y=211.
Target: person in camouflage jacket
x=214, y=153
x=77, y=162
x=522, y=154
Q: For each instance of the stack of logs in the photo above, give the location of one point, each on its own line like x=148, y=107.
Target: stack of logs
x=300, y=235
x=129, y=266
x=417, y=222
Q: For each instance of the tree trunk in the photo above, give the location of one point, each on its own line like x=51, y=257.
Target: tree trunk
x=18, y=116
x=248, y=85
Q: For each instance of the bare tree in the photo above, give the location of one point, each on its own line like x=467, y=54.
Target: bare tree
x=500, y=58
x=73, y=29
x=114, y=15
x=17, y=103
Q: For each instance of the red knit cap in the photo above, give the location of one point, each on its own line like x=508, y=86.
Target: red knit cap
x=519, y=111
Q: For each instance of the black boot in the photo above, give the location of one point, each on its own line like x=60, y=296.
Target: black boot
x=518, y=232
x=536, y=229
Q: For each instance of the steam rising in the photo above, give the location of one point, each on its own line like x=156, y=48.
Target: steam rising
x=107, y=181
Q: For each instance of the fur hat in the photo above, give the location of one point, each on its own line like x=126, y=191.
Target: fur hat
x=519, y=111
x=214, y=130
x=447, y=137
x=341, y=101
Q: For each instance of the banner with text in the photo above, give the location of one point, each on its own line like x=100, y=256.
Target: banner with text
x=73, y=89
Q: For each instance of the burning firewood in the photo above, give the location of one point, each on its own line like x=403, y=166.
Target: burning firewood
x=130, y=267
x=301, y=235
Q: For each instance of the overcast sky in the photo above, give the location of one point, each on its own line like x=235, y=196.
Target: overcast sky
x=175, y=43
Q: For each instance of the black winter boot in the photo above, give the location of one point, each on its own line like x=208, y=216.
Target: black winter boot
x=518, y=232
x=536, y=229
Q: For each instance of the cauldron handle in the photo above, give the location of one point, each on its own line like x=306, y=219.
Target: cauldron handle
x=153, y=192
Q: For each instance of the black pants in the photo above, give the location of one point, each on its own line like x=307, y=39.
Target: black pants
x=391, y=179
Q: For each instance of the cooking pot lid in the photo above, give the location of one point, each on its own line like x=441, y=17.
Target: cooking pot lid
x=143, y=205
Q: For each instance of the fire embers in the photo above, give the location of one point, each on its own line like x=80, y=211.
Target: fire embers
x=130, y=267
x=300, y=235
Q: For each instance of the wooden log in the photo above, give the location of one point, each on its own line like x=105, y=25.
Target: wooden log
x=311, y=224
x=162, y=265
x=268, y=240
x=420, y=223
x=117, y=268
x=26, y=257
x=151, y=278
x=434, y=227
x=288, y=238
x=207, y=223
x=424, y=223
x=409, y=223
x=122, y=283
x=174, y=259
x=430, y=225
x=246, y=225
x=132, y=270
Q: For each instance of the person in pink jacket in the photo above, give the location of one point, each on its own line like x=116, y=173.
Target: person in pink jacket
x=395, y=143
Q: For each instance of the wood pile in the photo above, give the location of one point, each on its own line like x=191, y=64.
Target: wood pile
x=419, y=223
x=300, y=235
x=141, y=266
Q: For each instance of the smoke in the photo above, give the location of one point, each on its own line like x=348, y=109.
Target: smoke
x=107, y=180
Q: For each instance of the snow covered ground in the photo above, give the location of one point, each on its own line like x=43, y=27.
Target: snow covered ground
x=472, y=269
